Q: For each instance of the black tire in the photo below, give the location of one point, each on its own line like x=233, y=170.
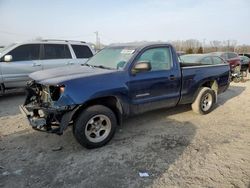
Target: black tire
x=198, y=105
x=79, y=129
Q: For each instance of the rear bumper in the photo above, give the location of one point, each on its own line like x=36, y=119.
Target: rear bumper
x=53, y=121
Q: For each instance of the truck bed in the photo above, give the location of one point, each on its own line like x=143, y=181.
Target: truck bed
x=194, y=75
x=191, y=64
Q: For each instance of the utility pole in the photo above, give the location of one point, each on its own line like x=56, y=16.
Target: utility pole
x=97, y=40
x=203, y=45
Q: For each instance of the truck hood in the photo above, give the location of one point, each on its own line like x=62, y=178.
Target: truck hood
x=59, y=75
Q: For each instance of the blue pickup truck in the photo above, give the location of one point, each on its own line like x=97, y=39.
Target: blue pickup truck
x=118, y=82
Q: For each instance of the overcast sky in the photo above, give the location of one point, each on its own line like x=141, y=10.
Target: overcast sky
x=125, y=20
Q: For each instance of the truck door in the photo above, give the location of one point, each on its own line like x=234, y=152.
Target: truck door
x=56, y=55
x=25, y=60
x=157, y=88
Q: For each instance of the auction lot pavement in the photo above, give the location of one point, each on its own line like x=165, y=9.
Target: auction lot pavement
x=176, y=147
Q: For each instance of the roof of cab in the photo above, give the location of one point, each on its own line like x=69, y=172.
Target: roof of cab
x=138, y=45
x=53, y=41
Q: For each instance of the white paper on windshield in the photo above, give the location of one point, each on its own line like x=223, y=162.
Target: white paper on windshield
x=127, y=51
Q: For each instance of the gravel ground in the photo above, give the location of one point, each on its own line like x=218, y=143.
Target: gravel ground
x=176, y=147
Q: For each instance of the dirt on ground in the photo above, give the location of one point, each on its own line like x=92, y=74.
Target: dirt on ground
x=175, y=147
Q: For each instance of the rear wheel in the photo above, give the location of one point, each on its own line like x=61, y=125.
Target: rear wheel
x=95, y=126
x=204, y=101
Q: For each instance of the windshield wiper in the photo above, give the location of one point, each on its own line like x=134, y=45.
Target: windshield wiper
x=97, y=66
x=86, y=64
x=102, y=67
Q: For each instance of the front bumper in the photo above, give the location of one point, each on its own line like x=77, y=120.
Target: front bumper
x=53, y=120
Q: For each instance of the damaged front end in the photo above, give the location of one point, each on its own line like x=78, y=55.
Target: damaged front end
x=47, y=108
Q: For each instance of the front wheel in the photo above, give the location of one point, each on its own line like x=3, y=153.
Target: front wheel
x=204, y=101
x=95, y=126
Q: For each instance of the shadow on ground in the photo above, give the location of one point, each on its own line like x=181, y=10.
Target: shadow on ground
x=10, y=101
x=147, y=143
x=230, y=93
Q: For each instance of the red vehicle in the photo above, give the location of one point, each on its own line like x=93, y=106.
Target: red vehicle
x=232, y=58
x=235, y=64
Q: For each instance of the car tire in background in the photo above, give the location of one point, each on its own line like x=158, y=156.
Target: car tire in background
x=95, y=126
x=204, y=102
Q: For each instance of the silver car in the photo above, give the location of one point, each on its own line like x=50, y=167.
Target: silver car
x=17, y=61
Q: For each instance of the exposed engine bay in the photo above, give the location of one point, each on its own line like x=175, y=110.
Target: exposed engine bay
x=41, y=108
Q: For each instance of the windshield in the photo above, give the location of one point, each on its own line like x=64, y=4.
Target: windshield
x=190, y=58
x=111, y=58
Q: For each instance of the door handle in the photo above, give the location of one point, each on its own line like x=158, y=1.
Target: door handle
x=69, y=63
x=172, y=77
x=36, y=65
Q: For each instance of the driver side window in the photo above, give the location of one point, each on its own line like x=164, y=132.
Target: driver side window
x=26, y=52
x=159, y=58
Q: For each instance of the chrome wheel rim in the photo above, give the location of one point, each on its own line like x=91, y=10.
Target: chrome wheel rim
x=98, y=128
x=207, y=102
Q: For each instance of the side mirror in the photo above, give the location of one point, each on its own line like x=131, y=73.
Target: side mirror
x=7, y=58
x=142, y=66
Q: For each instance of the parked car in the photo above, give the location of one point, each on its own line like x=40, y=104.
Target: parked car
x=234, y=61
x=17, y=61
x=198, y=59
x=245, y=54
x=118, y=82
x=232, y=58
x=245, y=63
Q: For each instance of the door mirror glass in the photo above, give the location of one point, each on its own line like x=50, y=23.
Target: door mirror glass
x=8, y=58
x=142, y=66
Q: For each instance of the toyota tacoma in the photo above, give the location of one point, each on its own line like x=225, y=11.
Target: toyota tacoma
x=116, y=83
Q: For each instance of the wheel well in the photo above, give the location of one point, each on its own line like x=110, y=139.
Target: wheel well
x=110, y=102
x=211, y=84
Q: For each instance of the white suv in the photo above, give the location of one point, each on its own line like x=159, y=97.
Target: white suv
x=17, y=61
